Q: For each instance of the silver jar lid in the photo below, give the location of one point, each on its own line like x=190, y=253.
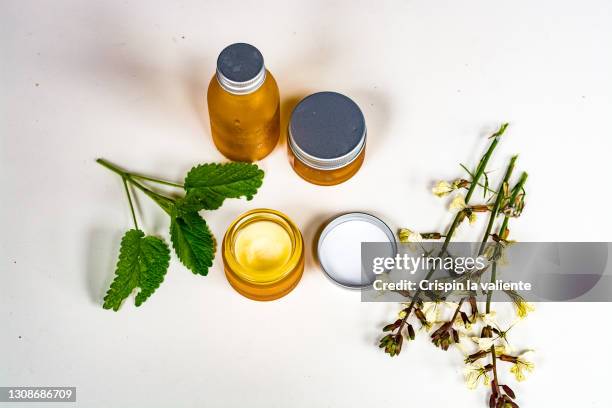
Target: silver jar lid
x=327, y=131
x=339, y=248
x=240, y=69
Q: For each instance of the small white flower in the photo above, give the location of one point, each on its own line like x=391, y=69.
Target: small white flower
x=499, y=350
x=488, y=318
x=521, y=365
x=523, y=308
x=431, y=312
x=472, y=218
x=443, y=188
x=406, y=235
x=458, y=203
x=474, y=373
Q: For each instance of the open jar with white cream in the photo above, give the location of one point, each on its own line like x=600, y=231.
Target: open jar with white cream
x=340, y=244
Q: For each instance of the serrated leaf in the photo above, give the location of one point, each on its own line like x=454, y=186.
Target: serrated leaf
x=192, y=240
x=210, y=184
x=143, y=263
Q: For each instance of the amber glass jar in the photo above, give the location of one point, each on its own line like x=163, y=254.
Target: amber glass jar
x=263, y=254
x=327, y=138
x=243, y=105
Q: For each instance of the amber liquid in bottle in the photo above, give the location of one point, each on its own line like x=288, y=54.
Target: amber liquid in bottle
x=245, y=127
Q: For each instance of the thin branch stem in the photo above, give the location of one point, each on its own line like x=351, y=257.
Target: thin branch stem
x=155, y=180
x=490, y=292
x=494, y=361
x=164, y=202
x=112, y=167
x=490, y=190
x=129, y=197
x=519, y=187
x=502, y=230
x=457, y=309
x=497, y=205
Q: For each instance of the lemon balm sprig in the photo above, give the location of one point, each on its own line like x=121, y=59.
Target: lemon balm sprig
x=144, y=260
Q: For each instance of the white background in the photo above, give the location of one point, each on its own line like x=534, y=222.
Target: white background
x=126, y=80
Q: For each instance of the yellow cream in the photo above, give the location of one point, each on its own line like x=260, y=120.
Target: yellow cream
x=262, y=248
x=263, y=254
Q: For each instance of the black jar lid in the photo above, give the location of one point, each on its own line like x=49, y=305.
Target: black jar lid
x=327, y=130
x=240, y=68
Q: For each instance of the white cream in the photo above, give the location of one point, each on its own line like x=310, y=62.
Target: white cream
x=339, y=248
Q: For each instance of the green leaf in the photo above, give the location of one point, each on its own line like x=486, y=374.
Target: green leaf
x=189, y=203
x=210, y=184
x=143, y=263
x=192, y=240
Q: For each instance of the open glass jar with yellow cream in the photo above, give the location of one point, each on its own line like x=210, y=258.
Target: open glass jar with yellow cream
x=263, y=254
x=326, y=138
x=243, y=105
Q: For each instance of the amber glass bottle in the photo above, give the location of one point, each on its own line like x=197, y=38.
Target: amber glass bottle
x=243, y=104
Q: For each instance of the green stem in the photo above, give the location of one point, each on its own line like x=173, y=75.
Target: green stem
x=502, y=230
x=124, y=173
x=485, y=188
x=490, y=293
x=164, y=202
x=494, y=361
x=112, y=167
x=155, y=180
x=482, y=164
x=129, y=197
x=497, y=205
x=492, y=217
x=490, y=190
x=520, y=185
